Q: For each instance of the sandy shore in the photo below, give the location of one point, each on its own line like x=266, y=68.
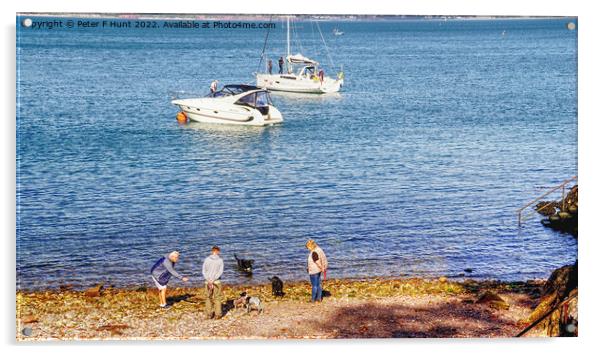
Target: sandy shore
x=373, y=308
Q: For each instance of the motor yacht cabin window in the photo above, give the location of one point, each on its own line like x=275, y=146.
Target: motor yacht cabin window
x=263, y=99
x=248, y=100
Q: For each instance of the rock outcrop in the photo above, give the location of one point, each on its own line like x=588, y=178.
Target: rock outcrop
x=561, y=215
x=560, y=287
x=493, y=300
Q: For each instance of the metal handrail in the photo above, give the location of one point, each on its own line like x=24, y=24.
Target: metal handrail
x=562, y=185
x=545, y=315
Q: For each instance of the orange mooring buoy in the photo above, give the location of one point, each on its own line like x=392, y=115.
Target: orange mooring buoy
x=181, y=117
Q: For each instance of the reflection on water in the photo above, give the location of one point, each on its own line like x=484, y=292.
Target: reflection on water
x=230, y=136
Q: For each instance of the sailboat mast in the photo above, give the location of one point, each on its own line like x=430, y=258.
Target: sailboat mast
x=288, y=36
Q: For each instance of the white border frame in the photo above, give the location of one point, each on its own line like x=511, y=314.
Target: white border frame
x=589, y=78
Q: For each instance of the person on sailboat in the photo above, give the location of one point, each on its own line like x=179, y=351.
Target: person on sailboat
x=213, y=87
x=270, y=66
x=321, y=75
x=280, y=65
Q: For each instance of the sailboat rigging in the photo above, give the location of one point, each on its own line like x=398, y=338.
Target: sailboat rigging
x=302, y=74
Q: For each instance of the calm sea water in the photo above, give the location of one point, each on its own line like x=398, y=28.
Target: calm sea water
x=443, y=130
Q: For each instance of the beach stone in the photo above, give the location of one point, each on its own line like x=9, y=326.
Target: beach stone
x=546, y=208
x=29, y=319
x=94, y=291
x=471, y=285
x=565, y=219
x=535, y=293
x=572, y=198
x=66, y=287
x=561, y=281
x=115, y=329
x=442, y=279
x=499, y=305
x=27, y=331
x=493, y=300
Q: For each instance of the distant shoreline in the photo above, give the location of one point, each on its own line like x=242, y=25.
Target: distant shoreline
x=267, y=17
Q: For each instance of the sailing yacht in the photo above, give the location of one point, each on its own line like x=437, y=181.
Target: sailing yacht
x=302, y=75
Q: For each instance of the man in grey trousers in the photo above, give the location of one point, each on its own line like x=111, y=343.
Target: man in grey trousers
x=213, y=268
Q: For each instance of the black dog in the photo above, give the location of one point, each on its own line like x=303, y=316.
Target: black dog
x=246, y=265
x=277, y=286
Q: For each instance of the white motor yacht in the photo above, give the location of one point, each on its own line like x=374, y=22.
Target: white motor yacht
x=233, y=104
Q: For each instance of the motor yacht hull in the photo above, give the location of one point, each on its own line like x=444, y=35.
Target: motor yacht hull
x=202, y=111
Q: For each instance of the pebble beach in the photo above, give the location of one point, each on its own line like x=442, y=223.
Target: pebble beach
x=355, y=308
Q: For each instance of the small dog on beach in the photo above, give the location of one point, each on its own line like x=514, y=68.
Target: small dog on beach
x=253, y=302
x=246, y=265
x=248, y=302
x=277, y=286
x=241, y=301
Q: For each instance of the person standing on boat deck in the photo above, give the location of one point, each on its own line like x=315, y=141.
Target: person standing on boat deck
x=316, y=265
x=213, y=86
x=162, y=271
x=280, y=65
x=213, y=268
x=270, y=66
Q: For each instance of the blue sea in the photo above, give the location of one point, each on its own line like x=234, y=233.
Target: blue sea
x=442, y=131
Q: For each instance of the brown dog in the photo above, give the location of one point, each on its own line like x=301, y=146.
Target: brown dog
x=241, y=301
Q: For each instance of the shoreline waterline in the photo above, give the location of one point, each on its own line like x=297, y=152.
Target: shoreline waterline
x=176, y=284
